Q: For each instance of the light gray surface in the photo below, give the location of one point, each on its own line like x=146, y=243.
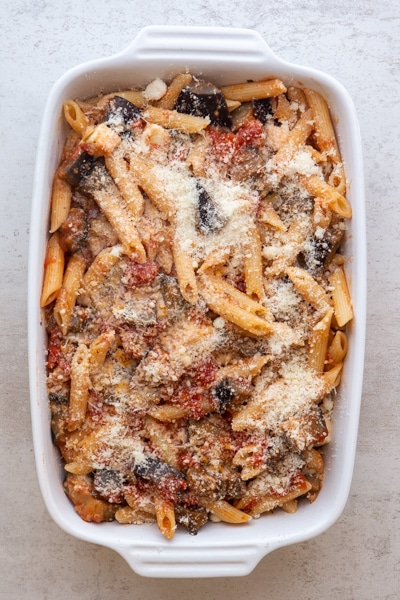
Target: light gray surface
x=357, y=42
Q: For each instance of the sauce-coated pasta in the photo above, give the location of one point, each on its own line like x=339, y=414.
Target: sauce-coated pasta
x=195, y=301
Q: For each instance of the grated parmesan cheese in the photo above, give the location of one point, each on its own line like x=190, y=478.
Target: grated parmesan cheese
x=155, y=90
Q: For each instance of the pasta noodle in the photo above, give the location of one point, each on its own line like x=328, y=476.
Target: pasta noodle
x=195, y=301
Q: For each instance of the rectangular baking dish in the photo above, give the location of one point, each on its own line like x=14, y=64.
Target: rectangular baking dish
x=224, y=56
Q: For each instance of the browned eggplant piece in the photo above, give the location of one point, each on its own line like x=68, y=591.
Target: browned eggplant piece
x=73, y=231
x=94, y=179
x=78, y=168
x=262, y=110
x=59, y=416
x=168, y=480
x=306, y=430
x=57, y=399
x=191, y=517
x=320, y=250
x=108, y=484
x=204, y=482
x=155, y=469
x=121, y=114
x=223, y=393
x=209, y=217
x=203, y=99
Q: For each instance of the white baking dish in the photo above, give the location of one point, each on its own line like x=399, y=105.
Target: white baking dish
x=223, y=56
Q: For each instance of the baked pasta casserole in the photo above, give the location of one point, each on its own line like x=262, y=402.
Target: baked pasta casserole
x=195, y=301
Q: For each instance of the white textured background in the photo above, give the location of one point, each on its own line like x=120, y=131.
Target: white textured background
x=356, y=41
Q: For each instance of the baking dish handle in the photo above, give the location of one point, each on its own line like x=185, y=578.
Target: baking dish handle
x=205, y=43
x=193, y=561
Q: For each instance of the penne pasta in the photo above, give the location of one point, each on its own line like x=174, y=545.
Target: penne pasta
x=53, y=270
x=171, y=119
x=66, y=298
x=173, y=91
x=319, y=342
x=233, y=305
x=269, y=216
x=98, y=350
x=245, y=92
x=185, y=272
x=165, y=517
x=119, y=170
x=269, y=502
x=226, y=512
x=100, y=268
x=331, y=378
x=337, y=349
x=324, y=132
x=297, y=95
x=306, y=285
x=169, y=412
x=341, y=297
x=112, y=204
x=249, y=367
x=60, y=202
x=75, y=117
x=134, y=96
x=154, y=188
x=327, y=194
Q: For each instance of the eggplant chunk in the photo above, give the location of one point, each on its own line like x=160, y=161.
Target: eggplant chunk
x=262, y=110
x=155, y=469
x=191, y=517
x=223, y=393
x=319, y=251
x=121, y=115
x=108, y=484
x=79, y=168
x=73, y=231
x=203, y=99
x=168, y=481
x=209, y=217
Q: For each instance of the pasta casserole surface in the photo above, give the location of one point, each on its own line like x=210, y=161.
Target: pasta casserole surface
x=195, y=301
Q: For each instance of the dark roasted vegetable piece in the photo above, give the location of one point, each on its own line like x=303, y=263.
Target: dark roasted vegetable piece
x=209, y=217
x=108, y=484
x=78, y=168
x=203, y=99
x=168, y=481
x=262, y=110
x=223, y=393
x=192, y=518
x=122, y=114
x=97, y=180
x=73, y=231
x=319, y=251
x=58, y=398
x=205, y=483
x=154, y=469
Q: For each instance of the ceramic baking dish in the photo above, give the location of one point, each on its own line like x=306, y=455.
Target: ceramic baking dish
x=224, y=56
